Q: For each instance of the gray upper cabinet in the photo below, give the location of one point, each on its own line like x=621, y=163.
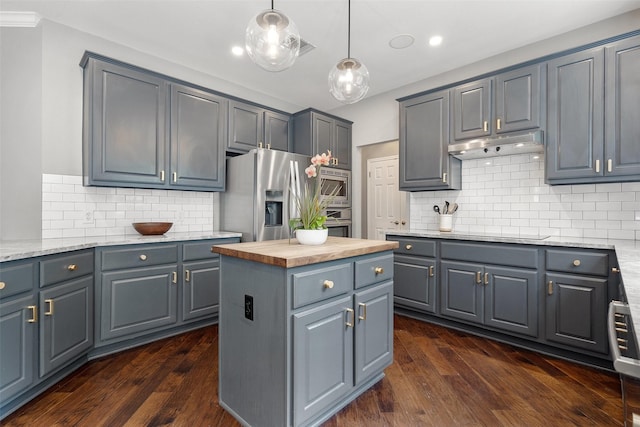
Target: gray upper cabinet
x=575, y=124
x=622, y=102
x=425, y=163
x=594, y=115
x=315, y=132
x=252, y=126
x=508, y=102
x=143, y=130
x=124, y=126
x=198, y=129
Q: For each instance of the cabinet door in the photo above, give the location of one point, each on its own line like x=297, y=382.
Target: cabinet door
x=622, y=150
x=518, y=99
x=127, y=145
x=200, y=290
x=576, y=311
x=511, y=299
x=575, y=134
x=342, y=145
x=322, y=133
x=374, y=330
x=322, y=358
x=276, y=131
x=472, y=110
x=17, y=346
x=198, y=132
x=66, y=329
x=246, y=127
x=462, y=293
x=424, y=142
x=136, y=301
x=414, y=282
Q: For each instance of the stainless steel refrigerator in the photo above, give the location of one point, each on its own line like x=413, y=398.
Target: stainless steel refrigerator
x=257, y=201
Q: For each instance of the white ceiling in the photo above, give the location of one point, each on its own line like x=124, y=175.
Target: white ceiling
x=199, y=34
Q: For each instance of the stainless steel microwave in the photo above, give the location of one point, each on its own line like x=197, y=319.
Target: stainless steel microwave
x=339, y=181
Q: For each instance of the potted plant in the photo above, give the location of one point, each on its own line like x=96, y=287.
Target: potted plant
x=310, y=226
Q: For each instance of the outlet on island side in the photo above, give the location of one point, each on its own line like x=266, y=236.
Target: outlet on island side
x=248, y=307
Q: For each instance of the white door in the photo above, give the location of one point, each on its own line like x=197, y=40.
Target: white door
x=386, y=205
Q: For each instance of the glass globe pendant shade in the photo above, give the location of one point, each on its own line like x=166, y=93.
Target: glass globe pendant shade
x=272, y=40
x=349, y=81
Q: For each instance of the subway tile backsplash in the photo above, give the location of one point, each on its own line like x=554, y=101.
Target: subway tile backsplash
x=71, y=210
x=507, y=195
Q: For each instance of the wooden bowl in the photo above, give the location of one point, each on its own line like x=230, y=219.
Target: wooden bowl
x=152, y=228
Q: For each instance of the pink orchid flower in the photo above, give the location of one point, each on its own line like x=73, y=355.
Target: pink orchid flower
x=310, y=171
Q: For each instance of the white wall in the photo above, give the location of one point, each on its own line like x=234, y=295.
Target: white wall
x=376, y=119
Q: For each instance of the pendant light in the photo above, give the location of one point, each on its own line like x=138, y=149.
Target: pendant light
x=349, y=79
x=272, y=40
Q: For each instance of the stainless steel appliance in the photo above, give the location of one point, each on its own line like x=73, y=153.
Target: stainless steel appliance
x=502, y=145
x=257, y=199
x=624, y=349
x=339, y=222
x=336, y=180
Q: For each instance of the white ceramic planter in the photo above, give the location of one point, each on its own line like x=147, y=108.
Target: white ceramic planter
x=312, y=237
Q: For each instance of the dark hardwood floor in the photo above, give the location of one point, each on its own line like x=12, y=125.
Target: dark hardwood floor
x=440, y=377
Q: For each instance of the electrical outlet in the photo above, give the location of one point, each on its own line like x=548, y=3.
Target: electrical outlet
x=248, y=307
x=87, y=217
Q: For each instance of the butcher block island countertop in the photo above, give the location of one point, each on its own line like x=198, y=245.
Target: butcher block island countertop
x=289, y=253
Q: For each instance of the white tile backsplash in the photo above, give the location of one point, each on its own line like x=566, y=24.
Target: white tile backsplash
x=70, y=209
x=507, y=195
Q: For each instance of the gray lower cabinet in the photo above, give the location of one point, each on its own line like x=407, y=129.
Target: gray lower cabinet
x=252, y=126
x=142, y=129
x=298, y=343
x=425, y=163
x=416, y=275
x=315, y=132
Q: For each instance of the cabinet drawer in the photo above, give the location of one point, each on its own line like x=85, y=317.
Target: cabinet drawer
x=67, y=266
x=16, y=277
x=373, y=270
x=511, y=255
x=139, y=256
x=192, y=251
x=580, y=262
x=418, y=247
x=321, y=283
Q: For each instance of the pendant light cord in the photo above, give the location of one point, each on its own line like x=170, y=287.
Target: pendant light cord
x=348, y=31
x=271, y=4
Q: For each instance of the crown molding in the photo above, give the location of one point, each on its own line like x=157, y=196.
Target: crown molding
x=19, y=19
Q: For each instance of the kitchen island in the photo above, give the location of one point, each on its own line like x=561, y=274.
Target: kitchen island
x=304, y=330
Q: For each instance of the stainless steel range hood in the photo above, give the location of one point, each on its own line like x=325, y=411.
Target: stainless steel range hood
x=529, y=142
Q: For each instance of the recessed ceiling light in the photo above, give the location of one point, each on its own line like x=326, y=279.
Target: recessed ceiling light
x=401, y=41
x=435, y=41
x=237, y=50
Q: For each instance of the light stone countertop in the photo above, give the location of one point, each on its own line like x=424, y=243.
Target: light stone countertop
x=20, y=249
x=627, y=252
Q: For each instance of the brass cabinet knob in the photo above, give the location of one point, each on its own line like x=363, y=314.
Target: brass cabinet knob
x=143, y=257
x=576, y=263
x=408, y=247
x=328, y=284
x=378, y=270
x=2, y=285
x=72, y=267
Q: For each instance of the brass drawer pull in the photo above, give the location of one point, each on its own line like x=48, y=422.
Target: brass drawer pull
x=187, y=275
x=486, y=278
x=408, y=247
x=613, y=270
x=328, y=284
x=498, y=124
x=162, y=176
x=485, y=126
x=72, y=267
x=378, y=270
x=174, y=277
x=363, y=310
x=350, y=314
x=175, y=176
x=2, y=285
x=143, y=257
x=576, y=263
x=34, y=314
x=431, y=273
x=479, y=277
x=550, y=287
x=50, y=311
x=598, y=166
